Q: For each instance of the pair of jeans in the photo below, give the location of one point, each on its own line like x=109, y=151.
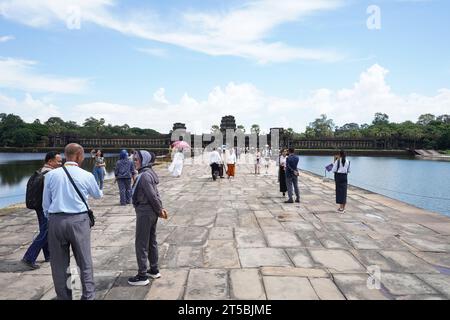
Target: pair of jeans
x=292, y=183
x=124, y=190
x=40, y=242
x=99, y=174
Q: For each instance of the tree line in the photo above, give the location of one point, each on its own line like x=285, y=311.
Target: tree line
x=15, y=132
x=433, y=131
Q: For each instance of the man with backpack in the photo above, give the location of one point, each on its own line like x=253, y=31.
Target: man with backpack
x=35, y=189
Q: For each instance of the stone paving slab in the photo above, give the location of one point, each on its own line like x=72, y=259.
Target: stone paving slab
x=237, y=239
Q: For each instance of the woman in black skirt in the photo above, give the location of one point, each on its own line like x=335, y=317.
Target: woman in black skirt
x=341, y=169
x=282, y=171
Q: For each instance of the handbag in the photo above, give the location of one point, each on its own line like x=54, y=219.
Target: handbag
x=89, y=211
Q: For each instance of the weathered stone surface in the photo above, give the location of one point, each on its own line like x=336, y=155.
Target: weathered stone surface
x=336, y=260
x=301, y=258
x=374, y=258
x=361, y=242
x=354, y=287
x=188, y=236
x=435, y=244
x=182, y=257
x=409, y=262
x=239, y=233
x=221, y=254
x=121, y=290
x=249, y=238
x=309, y=239
x=170, y=286
x=246, y=284
x=405, y=284
x=435, y=258
x=294, y=272
x=221, y=233
x=333, y=240
x=281, y=239
x=263, y=257
x=440, y=282
x=36, y=286
x=207, y=284
x=289, y=288
x=326, y=289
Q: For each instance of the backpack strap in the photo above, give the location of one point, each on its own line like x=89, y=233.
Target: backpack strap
x=75, y=187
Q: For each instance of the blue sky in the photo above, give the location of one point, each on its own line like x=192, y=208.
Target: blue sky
x=275, y=63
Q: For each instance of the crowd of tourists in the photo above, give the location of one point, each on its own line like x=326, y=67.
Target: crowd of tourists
x=59, y=194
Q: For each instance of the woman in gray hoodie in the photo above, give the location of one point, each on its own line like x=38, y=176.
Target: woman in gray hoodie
x=148, y=206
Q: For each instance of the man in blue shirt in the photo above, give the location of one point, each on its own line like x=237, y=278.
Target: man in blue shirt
x=69, y=224
x=292, y=171
x=53, y=160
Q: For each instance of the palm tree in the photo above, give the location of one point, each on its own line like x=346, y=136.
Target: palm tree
x=256, y=129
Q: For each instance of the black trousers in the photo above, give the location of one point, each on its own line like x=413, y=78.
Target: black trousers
x=214, y=170
x=341, y=187
x=282, y=179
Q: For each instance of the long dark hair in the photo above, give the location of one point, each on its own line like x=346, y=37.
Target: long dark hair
x=343, y=156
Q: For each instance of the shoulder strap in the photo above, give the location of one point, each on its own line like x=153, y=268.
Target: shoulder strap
x=339, y=164
x=75, y=187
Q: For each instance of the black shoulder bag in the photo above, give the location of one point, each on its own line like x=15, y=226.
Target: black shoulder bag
x=89, y=211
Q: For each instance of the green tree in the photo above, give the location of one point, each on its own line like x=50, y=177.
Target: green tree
x=95, y=126
x=8, y=125
x=380, y=119
x=425, y=119
x=241, y=127
x=445, y=118
x=55, y=125
x=24, y=137
x=321, y=127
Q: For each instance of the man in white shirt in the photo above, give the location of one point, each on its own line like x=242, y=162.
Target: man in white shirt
x=69, y=223
x=214, y=160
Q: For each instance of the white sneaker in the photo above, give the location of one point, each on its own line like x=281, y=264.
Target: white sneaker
x=155, y=276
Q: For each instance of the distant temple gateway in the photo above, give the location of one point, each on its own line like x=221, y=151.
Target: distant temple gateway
x=163, y=141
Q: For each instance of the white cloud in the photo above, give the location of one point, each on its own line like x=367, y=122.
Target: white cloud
x=159, y=96
x=6, y=38
x=21, y=74
x=359, y=103
x=240, y=31
x=29, y=108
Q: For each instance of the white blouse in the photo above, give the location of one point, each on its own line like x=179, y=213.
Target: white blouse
x=342, y=168
x=231, y=158
x=282, y=161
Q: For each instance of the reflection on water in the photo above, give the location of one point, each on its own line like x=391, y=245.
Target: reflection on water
x=423, y=183
x=16, y=169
